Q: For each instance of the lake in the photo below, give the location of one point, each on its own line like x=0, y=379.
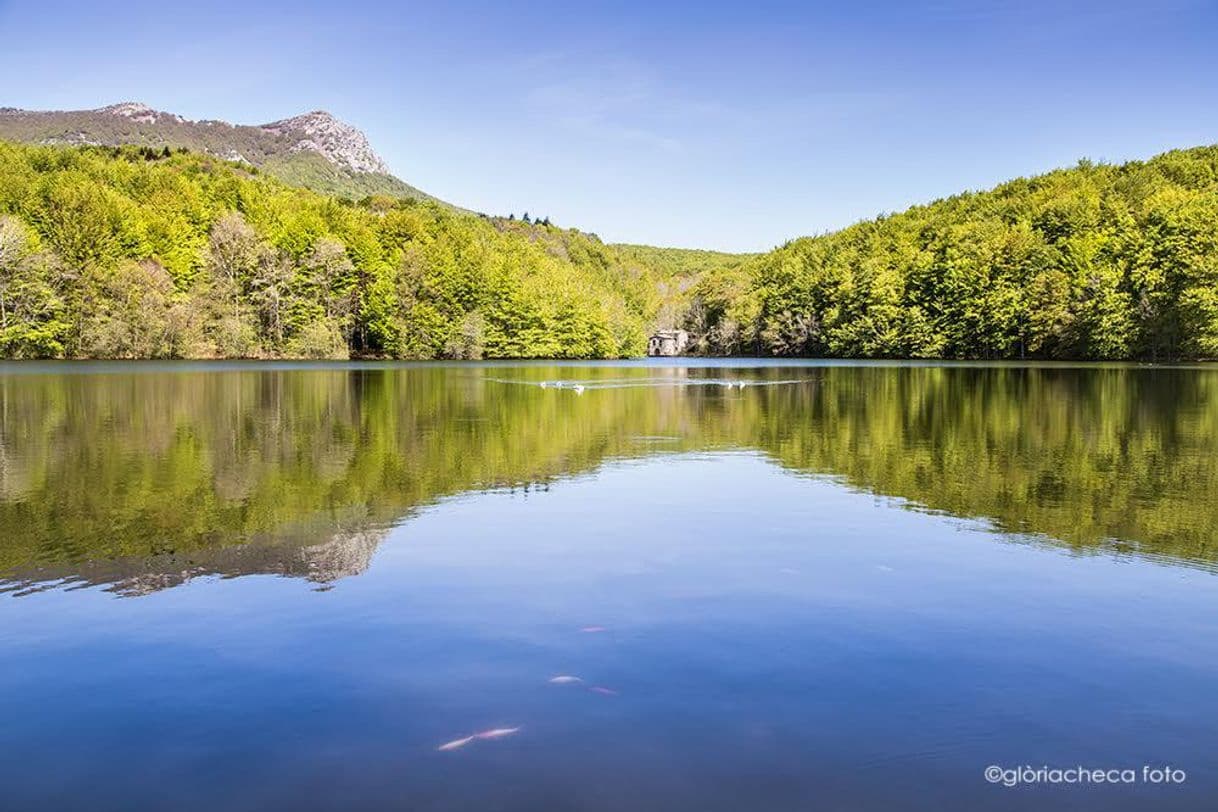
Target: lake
x=616, y=586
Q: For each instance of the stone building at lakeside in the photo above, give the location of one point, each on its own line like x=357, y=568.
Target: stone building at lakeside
x=667, y=343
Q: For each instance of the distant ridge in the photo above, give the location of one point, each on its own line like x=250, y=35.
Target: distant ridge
x=315, y=150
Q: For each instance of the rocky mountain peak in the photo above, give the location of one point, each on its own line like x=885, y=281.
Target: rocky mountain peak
x=137, y=111
x=337, y=141
x=287, y=149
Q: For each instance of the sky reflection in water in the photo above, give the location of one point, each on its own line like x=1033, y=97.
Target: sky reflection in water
x=780, y=630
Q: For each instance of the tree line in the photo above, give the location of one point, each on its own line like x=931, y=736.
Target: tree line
x=128, y=252
x=1093, y=262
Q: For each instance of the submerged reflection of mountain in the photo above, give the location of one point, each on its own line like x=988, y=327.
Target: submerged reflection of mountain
x=344, y=554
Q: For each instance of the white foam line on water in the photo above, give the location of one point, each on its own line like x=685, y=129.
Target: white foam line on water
x=645, y=383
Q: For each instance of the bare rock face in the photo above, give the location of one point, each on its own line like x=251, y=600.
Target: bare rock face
x=337, y=142
x=288, y=148
x=319, y=132
x=138, y=111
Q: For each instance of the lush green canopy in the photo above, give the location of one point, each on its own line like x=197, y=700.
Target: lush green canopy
x=1092, y=262
x=139, y=253
x=134, y=252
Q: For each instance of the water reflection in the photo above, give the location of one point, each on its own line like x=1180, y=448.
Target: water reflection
x=142, y=479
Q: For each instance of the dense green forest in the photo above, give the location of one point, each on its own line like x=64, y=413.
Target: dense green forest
x=134, y=252
x=126, y=252
x=1094, y=262
x=676, y=272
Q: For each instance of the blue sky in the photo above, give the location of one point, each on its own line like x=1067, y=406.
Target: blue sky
x=719, y=125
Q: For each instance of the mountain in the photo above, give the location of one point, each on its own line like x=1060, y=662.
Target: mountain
x=1096, y=261
x=314, y=150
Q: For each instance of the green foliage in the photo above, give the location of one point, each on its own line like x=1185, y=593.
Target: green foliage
x=31, y=311
x=134, y=313
x=131, y=252
x=1096, y=262
x=1092, y=262
x=674, y=273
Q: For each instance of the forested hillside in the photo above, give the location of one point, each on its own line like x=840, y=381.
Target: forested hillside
x=1091, y=262
x=677, y=273
x=134, y=252
x=126, y=252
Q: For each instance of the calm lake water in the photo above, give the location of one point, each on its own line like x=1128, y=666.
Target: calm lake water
x=837, y=587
